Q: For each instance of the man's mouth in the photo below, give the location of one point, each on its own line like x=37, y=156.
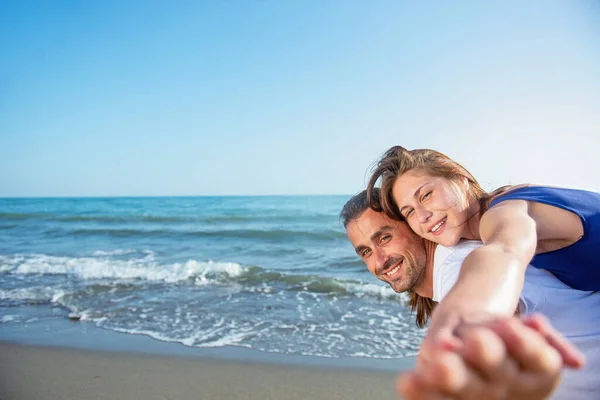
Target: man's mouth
x=395, y=271
x=439, y=227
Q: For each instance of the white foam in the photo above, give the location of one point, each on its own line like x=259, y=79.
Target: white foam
x=36, y=293
x=107, y=268
x=118, y=252
x=57, y=296
x=7, y=318
x=371, y=289
x=7, y=263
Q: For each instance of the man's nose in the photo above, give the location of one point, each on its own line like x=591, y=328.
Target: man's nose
x=380, y=257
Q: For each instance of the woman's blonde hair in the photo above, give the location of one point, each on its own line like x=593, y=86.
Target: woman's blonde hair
x=398, y=160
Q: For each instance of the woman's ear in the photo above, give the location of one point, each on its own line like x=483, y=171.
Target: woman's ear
x=466, y=183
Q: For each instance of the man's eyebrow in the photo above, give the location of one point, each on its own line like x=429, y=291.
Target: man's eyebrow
x=417, y=194
x=359, y=249
x=380, y=231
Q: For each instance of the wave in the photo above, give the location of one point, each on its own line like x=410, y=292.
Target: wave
x=103, y=271
x=19, y=216
x=210, y=220
x=29, y=296
x=8, y=226
x=88, y=268
x=255, y=234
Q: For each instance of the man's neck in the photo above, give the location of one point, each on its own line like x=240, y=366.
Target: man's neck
x=426, y=287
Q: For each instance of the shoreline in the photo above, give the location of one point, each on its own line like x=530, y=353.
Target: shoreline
x=59, y=332
x=32, y=372
x=61, y=359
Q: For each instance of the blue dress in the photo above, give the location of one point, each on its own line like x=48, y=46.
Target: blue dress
x=577, y=265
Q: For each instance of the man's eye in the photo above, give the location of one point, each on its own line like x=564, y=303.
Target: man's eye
x=386, y=238
x=365, y=252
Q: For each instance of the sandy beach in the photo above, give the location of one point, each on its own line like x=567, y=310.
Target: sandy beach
x=34, y=372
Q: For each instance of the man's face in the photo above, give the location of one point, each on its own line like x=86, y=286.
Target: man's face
x=391, y=250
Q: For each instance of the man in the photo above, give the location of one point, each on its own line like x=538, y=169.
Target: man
x=484, y=363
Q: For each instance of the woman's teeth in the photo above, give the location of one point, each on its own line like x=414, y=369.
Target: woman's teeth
x=438, y=225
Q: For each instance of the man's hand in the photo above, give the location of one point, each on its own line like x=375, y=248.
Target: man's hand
x=506, y=358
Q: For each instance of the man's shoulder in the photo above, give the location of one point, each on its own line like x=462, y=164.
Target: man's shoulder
x=459, y=251
x=446, y=266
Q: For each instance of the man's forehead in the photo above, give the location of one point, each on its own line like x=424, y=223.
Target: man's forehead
x=375, y=218
x=370, y=222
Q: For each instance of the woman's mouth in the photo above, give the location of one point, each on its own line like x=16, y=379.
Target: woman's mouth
x=438, y=228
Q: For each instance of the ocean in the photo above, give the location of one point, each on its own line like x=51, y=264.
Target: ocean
x=274, y=274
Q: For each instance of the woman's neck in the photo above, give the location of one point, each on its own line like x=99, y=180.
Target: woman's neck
x=472, y=223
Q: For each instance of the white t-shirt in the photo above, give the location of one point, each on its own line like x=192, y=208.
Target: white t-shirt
x=574, y=313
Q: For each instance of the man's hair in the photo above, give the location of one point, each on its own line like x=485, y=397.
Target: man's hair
x=352, y=210
x=357, y=205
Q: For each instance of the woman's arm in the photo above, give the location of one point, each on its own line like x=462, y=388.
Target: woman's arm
x=491, y=277
x=488, y=287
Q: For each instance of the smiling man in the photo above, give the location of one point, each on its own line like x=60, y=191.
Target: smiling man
x=396, y=255
x=392, y=252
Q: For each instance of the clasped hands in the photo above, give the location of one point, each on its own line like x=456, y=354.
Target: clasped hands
x=499, y=358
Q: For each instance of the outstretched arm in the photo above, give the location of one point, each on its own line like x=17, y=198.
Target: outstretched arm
x=503, y=359
x=491, y=277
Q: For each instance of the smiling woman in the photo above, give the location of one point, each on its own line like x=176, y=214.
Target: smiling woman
x=443, y=202
x=435, y=208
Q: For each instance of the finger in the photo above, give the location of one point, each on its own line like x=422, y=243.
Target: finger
x=486, y=353
x=441, y=334
x=450, y=374
x=534, y=385
x=571, y=356
x=441, y=340
x=527, y=346
x=410, y=387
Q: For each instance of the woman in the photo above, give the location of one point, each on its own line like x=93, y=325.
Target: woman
x=442, y=202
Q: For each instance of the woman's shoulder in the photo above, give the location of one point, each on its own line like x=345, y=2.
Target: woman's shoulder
x=541, y=193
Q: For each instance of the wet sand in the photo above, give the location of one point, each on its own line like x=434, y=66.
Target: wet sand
x=37, y=372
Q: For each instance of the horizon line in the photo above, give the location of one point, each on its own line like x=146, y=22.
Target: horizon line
x=167, y=196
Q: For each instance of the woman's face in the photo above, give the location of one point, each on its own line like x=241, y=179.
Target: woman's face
x=434, y=207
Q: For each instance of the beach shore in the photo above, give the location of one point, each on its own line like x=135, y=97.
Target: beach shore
x=37, y=372
x=59, y=359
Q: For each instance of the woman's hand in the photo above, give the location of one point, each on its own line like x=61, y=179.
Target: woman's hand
x=506, y=358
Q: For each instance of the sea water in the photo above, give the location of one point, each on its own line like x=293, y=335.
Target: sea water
x=271, y=273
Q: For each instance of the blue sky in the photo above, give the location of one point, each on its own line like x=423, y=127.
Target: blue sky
x=291, y=97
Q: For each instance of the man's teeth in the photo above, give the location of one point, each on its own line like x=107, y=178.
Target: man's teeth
x=393, y=271
x=438, y=226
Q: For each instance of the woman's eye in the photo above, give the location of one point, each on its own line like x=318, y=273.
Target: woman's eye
x=426, y=196
x=408, y=213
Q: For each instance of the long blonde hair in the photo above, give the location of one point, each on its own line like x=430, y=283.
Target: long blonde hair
x=398, y=160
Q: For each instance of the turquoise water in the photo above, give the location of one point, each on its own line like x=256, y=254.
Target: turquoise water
x=275, y=274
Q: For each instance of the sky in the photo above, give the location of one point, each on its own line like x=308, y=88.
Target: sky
x=260, y=97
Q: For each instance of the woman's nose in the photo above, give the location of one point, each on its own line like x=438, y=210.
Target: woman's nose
x=423, y=214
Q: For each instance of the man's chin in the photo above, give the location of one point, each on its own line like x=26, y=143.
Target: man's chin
x=396, y=288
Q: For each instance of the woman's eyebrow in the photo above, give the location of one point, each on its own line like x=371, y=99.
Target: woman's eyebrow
x=417, y=194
